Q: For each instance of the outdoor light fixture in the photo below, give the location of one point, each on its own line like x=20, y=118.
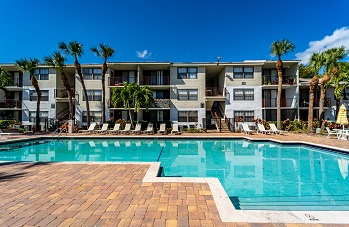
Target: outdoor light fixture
x=218, y=59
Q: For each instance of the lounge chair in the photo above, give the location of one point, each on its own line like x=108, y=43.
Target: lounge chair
x=90, y=129
x=175, y=129
x=149, y=130
x=137, y=130
x=116, y=129
x=127, y=129
x=330, y=133
x=9, y=134
x=104, y=129
x=246, y=129
x=343, y=134
x=162, y=129
x=262, y=129
x=275, y=130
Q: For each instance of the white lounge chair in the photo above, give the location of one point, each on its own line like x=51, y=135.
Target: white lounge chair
x=9, y=134
x=127, y=129
x=262, y=129
x=116, y=129
x=90, y=129
x=330, y=133
x=137, y=130
x=175, y=129
x=149, y=130
x=104, y=129
x=246, y=129
x=275, y=130
x=343, y=134
x=162, y=129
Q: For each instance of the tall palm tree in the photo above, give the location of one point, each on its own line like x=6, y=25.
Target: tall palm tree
x=105, y=52
x=334, y=58
x=75, y=49
x=57, y=60
x=30, y=65
x=143, y=97
x=280, y=48
x=316, y=62
x=124, y=95
x=341, y=81
x=5, y=79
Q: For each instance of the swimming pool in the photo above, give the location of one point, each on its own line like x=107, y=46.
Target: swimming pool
x=255, y=175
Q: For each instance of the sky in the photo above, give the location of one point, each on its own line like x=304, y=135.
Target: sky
x=175, y=31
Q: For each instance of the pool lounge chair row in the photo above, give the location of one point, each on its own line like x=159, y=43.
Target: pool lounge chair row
x=8, y=134
x=127, y=130
x=261, y=129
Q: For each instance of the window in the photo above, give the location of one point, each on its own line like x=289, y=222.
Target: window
x=243, y=94
x=243, y=72
x=92, y=74
x=42, y=115
x=187, y=94
x=95, y=116
x=244, y=116
x=187, y=116
x=161, y=94
x=33, y=96
x=93, y=95
x=345, y=94
x=129, y=76
x=41, y=74
x=187, y=73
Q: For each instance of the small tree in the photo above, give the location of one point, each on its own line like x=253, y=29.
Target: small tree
x=5, y=79
x=143, y=97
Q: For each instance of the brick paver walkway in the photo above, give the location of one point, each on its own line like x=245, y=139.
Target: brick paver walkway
x=56, y=194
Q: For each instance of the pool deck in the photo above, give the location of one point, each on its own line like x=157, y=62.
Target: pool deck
x=126, y=194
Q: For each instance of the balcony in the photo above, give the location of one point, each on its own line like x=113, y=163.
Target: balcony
x=15, y=83
x=305, y=102
x=214, y=91
x=63, y=94
x=147, y=80
x=10, y=104
x=286, y=80
x=285, y=102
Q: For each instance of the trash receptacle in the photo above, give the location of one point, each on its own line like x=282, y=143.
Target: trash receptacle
x=70, y=126
x=318, y=130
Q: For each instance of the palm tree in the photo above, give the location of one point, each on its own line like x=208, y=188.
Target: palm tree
x=5, y=79
x=57, y=60
x=124, y=95
x=279, y=48
x=333, y=58
x=30, y=65
x=104, y=53
x=316, y=62
x=143, y=97
x=75, y=49
x=341, y=81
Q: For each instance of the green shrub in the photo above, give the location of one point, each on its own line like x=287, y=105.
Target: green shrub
x=7, y=123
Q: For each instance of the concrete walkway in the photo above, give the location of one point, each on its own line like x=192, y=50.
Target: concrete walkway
x=58, y=194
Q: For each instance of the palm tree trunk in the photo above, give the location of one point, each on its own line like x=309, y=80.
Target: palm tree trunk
x=279, y=67
x=38, y=94
x=104, y=71
x=324, y=81
x=78, y=69
x=312, y=89
x=66, y=84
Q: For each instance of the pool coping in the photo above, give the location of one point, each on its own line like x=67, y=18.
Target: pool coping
x=225, y=208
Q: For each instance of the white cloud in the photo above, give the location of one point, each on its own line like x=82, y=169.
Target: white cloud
x=340, y=37
x=144, y=54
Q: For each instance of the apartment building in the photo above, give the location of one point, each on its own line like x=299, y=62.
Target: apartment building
x=188, y=93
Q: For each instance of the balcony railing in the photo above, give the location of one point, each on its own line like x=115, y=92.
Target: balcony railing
x=305, y=102
x=118, y=81
x=273, y=80
x=63, y=94
x=158, y=103
x=214, y=91
x=10, y=103
x=164, y=80
x=16, y=82
x=285, y=102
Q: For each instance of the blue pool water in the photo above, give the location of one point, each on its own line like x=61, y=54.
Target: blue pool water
x=259, y=175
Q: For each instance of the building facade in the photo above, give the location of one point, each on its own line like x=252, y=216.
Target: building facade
x=189, y=94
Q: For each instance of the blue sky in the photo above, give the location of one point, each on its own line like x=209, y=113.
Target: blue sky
x=177, y=31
